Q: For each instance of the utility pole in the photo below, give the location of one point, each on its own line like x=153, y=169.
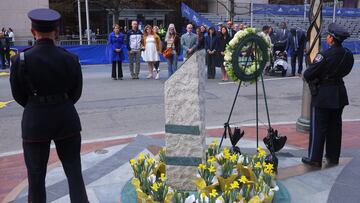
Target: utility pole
x=314, y=39
x=79, y=16
x=334, y=11
x=251, y=13
x=87, y=21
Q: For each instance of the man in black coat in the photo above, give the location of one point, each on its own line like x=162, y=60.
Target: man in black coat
x=4, y=49
x=296, y=46
x=47, y=81
x=329, y=96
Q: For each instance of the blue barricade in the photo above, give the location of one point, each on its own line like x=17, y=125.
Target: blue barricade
x=193, y=16
x=91, y=54
x=276, y=9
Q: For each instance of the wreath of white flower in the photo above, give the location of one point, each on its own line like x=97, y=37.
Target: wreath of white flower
x=231, y=47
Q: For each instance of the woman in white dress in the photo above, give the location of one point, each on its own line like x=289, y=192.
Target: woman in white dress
x=152, y=49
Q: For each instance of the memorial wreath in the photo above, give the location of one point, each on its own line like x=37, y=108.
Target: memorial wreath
x=246, y=55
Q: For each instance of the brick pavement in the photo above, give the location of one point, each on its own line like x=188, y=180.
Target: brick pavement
x=13, y=171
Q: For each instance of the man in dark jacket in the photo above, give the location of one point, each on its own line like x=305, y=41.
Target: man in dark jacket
x=4, y=49
x=296, y=45
x=47, y=81
x=325, y=78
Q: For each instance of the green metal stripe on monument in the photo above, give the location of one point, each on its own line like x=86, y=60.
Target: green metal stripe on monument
x=182, y=129
x=183, y=161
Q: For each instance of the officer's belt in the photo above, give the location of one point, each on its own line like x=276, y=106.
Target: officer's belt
x=49, y=99
x=331, y=82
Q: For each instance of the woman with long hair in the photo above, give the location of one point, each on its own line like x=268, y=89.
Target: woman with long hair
x=152, y=48
x=115, y=42
x=156, y=30
x=172, y=41
x=222, y=41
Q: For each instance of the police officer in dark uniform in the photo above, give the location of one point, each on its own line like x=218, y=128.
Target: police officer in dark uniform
x=325, y=78
x=47, y=81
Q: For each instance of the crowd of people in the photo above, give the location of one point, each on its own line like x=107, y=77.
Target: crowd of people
x=151, y=43
x=7, y=39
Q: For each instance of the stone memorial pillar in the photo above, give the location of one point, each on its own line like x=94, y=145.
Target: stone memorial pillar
x=185, y=122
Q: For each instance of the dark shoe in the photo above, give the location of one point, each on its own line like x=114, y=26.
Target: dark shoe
x=308, y=161
x=332, y=162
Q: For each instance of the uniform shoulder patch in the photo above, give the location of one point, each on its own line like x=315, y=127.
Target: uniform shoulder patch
x=318, y=58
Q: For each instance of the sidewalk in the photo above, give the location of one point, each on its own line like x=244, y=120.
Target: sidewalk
x=106, y=168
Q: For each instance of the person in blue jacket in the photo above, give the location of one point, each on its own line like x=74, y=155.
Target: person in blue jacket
x=115, y=42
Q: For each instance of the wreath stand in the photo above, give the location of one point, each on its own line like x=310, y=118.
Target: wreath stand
x=252, y=49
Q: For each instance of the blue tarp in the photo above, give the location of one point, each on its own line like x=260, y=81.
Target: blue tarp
x=91, y=54
x=276, y=9
x=96, y=54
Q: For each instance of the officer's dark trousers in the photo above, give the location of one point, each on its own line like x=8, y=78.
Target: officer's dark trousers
x=325, y=126
x=117, y=70
x=36, y=156
x=2, y=58
x=299, y=55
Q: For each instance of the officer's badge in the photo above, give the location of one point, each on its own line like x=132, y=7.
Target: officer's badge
x=318, y=58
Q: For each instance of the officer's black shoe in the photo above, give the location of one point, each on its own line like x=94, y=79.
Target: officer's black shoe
x=308, y=161
x=332, y=162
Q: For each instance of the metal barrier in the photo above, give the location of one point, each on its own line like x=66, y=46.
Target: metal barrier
x=84, y=42
x=63, y=42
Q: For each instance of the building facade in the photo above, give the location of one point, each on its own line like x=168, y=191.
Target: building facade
x=13, y=14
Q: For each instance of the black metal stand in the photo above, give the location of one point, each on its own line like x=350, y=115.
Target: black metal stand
x=272, y=141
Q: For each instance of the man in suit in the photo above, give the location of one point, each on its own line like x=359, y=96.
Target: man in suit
x=229, y=27
x=329, y=97
x=47, y=81
x=282, y=35
x=189, y=42
x=296, y=46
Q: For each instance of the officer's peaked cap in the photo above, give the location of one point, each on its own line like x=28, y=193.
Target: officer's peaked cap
x=338, y=32
x=44, y=19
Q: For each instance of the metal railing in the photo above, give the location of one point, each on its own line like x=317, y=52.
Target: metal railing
x=63, y=42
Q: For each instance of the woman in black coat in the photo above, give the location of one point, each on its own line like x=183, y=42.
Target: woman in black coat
x=210, y=48
x=222, y=41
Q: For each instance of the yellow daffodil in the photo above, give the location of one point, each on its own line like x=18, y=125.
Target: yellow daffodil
x=150, y=161
x=269, y=168
x=211, y=159
x=261, y=153
x=202, y=167
x=213, y=194
x=203, y=195
x=233, y=158
x=162, y=177
x=258, y=165
x=227, y=156
x=213, y=144
x=141, y=157
x=132, y=162
x=243, y=179
x=234, y=185
x=155, y=187
x=212, y=169
x=259, y=148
